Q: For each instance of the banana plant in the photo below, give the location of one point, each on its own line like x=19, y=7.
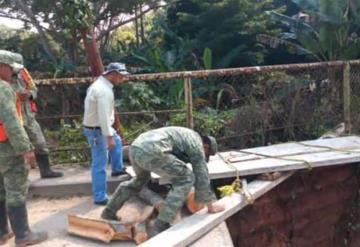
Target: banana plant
x=325, y=29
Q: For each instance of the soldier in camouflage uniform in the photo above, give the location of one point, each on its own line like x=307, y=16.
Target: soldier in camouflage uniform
x=27, y=91
x=166, y=151
x=15, y=151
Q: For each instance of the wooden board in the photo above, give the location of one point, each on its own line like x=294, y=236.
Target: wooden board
x=97, y=229
x=192, y=228
x=90, y=225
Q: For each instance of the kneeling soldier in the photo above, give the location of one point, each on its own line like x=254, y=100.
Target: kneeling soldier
x=166, y=151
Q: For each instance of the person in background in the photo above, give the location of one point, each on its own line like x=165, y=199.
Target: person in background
x=26, y=90
x=166, y=151
x=98, y=120
x=15, y=153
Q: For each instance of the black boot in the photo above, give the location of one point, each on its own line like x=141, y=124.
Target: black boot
x=5, y=233
x=20, y=226
x=44, y=167
x=108, y=215
x=156, y=226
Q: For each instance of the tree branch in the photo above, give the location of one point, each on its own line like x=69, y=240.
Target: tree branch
x=28, y=12
x=111, y=28
x=13, y=17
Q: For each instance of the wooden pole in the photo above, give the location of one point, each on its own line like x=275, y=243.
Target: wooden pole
x=188, y=103
x=347, y=97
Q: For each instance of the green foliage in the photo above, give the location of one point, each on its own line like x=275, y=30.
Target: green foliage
x=207, y=121
x=137, y=97
x=325, y=30
x=78, y=14
x=207, y=58
x=68, y=136
x=227, y=27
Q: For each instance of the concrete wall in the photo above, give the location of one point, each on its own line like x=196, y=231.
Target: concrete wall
x=316, y=208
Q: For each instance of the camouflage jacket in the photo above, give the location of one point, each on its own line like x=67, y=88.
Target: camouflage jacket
x=20, y=85
x=18, y=141
x=183, y=143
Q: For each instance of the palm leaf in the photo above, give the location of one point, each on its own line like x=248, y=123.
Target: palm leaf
x=296, y=25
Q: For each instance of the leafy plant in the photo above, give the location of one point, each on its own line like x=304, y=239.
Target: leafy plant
x=137, y=97
x=207, y=121
x=68, y=136
x=325, y=30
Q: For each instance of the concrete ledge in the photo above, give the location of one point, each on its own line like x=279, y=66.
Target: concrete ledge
x=75, y=182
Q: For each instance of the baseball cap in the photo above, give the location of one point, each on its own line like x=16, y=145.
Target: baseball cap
x=118, y=67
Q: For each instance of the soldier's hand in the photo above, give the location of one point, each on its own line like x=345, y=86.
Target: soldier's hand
x=29, y=158
x=110, y=142
x=215, y=207
x=24, y=95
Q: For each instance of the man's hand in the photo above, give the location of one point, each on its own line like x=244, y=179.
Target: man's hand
x=215, y=207
x=24, y=95
x=110, y=142
x=29, y=158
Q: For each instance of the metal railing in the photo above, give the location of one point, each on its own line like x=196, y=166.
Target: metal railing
x=253, y=105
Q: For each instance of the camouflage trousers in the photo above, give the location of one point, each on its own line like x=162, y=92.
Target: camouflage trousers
x=13, y=180
x=36, y=136
x=167, y=166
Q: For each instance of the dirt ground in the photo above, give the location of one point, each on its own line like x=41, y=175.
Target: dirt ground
x=50, y=215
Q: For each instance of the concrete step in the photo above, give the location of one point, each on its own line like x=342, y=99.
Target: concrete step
x=76, y=181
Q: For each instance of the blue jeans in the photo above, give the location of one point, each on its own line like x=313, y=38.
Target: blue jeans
x=99, y=159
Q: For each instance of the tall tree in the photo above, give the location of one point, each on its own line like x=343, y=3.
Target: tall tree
x=227, y=27
x=80, y=18
x=48, y=19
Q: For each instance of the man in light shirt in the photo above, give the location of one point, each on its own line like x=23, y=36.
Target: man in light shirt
x=99, y=118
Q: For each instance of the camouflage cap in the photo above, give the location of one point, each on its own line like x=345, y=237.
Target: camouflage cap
x=8, y=58
x=213, y=145
x=18, y=62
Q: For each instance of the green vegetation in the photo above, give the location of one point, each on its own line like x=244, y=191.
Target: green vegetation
x=153, y=36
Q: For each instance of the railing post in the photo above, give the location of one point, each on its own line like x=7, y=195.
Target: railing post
x=188, y=102
x=347, y=97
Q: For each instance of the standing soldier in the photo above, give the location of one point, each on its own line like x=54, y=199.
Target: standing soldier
x=26, y=89
x=166, y=151
x=15, y=151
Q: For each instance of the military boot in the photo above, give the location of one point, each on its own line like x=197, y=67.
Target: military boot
x=5, y=233
x=156, y=226
x=44, y=167
x=20, y=226
x=108, y=215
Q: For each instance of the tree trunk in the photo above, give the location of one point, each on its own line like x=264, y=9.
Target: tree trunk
x=137, y=26
x=92, y=52
x=142, y=24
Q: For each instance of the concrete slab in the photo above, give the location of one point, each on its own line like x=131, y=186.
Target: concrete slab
x=51, y=216
x=76, y=181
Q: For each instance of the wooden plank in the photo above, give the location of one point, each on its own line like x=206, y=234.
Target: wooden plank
x=218, y=237
x=97, y=229
x=192, y=205
x=134, y=212
x=192, y=228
